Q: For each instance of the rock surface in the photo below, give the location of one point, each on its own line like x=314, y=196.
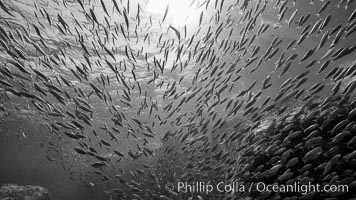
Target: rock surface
x=27, y=192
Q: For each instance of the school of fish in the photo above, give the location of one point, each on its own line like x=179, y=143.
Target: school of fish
x=256, y=91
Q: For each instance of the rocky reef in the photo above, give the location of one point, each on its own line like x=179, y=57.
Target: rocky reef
x=23, y=192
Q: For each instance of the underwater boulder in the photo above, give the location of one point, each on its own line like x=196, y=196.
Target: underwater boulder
x=23, y=192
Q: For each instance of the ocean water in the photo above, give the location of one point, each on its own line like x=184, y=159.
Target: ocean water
x=127, y=96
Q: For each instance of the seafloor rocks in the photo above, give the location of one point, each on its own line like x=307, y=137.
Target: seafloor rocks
x=27, y=192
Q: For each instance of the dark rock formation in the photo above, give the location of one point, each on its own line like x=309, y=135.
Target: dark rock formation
x=27, y=192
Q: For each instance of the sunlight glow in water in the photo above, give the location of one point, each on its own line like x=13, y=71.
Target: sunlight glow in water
x=179, y=12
